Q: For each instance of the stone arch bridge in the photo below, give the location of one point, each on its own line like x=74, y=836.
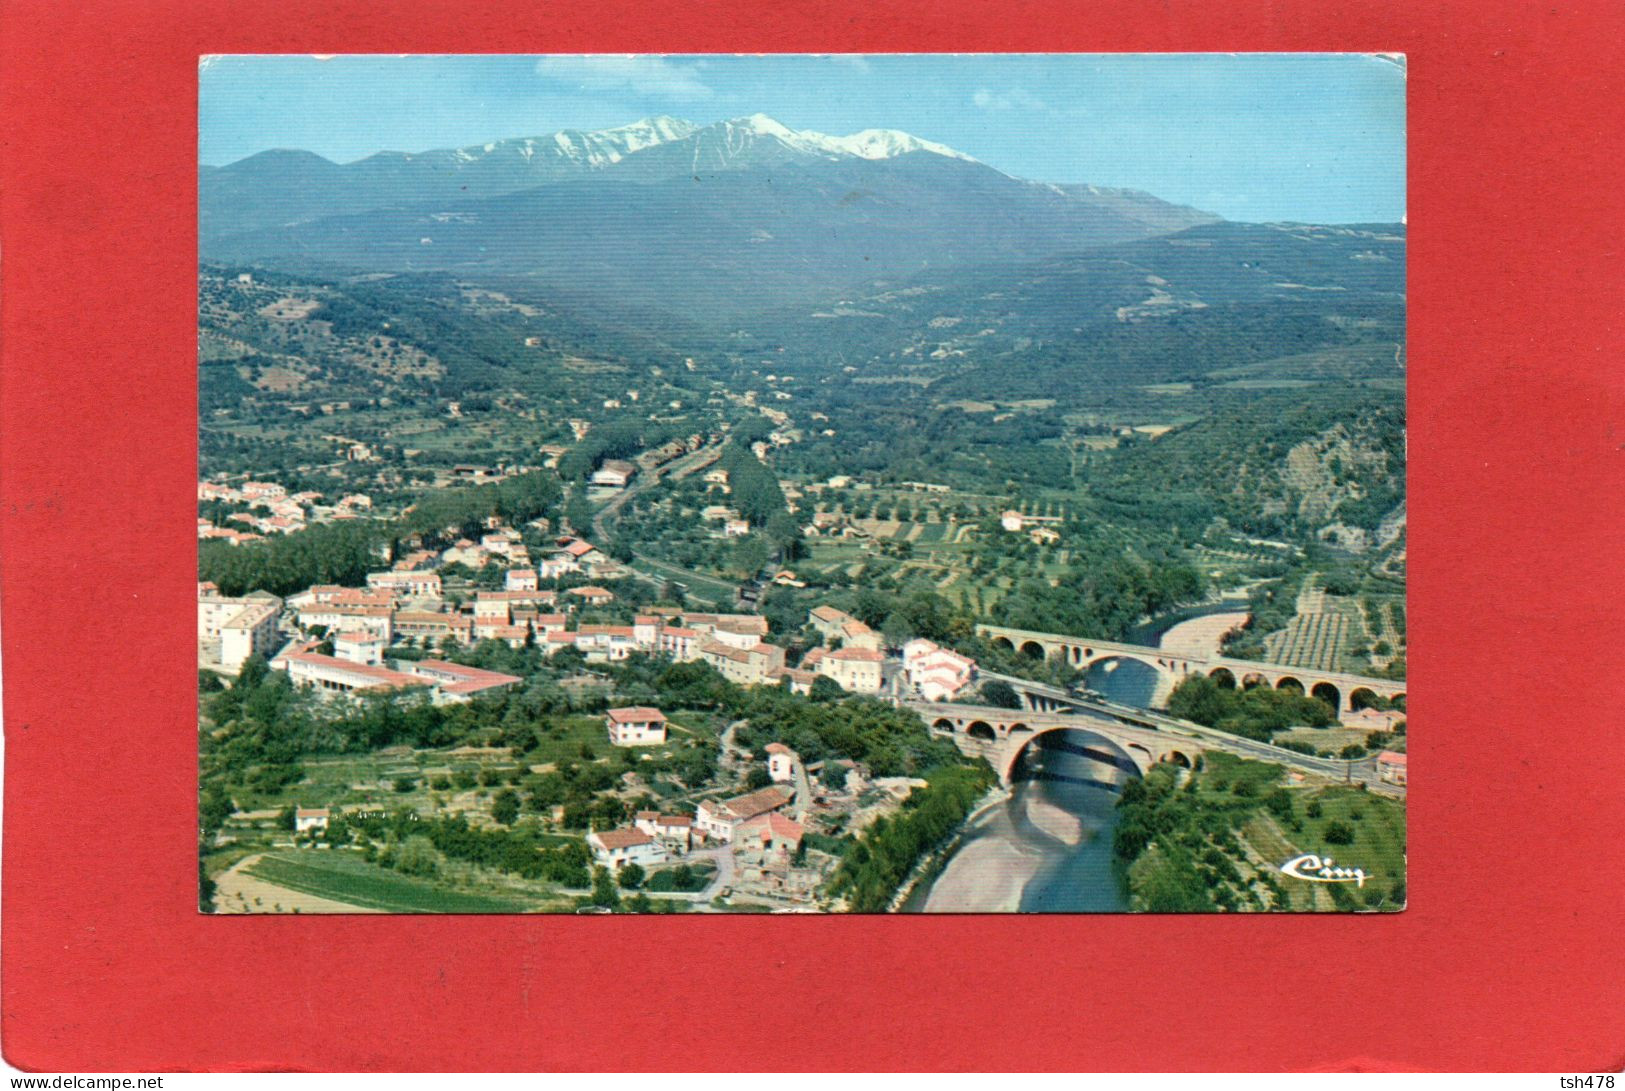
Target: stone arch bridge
x=1344, y=692
x=1000, y=735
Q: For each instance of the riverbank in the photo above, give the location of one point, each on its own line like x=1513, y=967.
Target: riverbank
x=1202, y=636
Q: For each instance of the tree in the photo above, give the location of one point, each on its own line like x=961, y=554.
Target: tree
x=896, y=629
x=1338, y=833
x=604, y=893
x=631, y=876
x=505, y=807
x=826, y=689
x=757, y=778
x=1000, y=694
x=417, y=856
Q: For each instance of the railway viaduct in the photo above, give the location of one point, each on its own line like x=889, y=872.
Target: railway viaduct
x=1343, y=692
x=1000, y=734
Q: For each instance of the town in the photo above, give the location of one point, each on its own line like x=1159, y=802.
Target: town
x=608, y=520
x=458, y=617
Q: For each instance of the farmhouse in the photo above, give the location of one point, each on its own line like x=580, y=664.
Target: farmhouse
x=636, y=726
x=769, y=834
x=720, y=818
x=672, y=830
x=309, y=818
x=615, y=849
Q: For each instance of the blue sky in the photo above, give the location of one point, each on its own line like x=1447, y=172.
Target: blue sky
x=1309, y=137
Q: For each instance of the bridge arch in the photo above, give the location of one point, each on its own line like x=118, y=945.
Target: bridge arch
x=1032, y=649
x=1176, y=757
x=942, y=723
x=1004, y=643
x=1128, y=758
x=1253, y=681
x=1363, y=697
x=1223, y=677
x=981, y=729
x=1327, y=692
x=1287, y=682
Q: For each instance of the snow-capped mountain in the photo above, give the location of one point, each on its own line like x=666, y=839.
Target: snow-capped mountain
x=738, y=214
x=277, y=188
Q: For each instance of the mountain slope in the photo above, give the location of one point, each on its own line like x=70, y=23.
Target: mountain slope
x=727, y=242
x=279, y=189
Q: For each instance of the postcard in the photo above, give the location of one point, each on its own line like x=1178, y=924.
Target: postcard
x=802, y=484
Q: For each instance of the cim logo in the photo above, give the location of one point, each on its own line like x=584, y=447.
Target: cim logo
x=1316, y=869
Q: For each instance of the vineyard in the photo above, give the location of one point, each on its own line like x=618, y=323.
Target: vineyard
x=1317, y=641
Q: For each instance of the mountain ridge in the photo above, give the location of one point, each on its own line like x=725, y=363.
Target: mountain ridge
x=280, y=188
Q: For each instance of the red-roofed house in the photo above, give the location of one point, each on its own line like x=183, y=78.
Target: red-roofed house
x=309, y=818
x=616, y=848
x=769, y=833
x=1391, y=767
x=520, y=579
x=750, y=666
x=672, y=830
x=595, y=596
x=856, y=670
x=720, y=818
x=636, y=726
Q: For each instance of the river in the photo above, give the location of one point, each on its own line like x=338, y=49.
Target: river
x=1048, y=848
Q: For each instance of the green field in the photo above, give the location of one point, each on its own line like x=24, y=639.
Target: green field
x=355, y=882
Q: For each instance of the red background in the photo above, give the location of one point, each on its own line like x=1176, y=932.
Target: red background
x=1510, y=957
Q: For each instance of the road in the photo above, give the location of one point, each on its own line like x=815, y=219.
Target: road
x=678, y=467
x=688, y=464
x=723, y=857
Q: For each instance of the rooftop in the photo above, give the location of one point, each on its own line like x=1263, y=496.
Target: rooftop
x=636, y=714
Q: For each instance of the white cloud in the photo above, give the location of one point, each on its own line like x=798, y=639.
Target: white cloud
x=647, y=75
x=1013, y=99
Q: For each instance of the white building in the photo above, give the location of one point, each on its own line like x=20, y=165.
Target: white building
x=359, y=647
x=856, y=670
x=936, y=672
x=615, y=473
x=718, y=819
x=636, y=726
x=309, y=818
x=416, y=585
x=616, y=848
x=781, y=762
x=238, y=627
x=675, y=831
